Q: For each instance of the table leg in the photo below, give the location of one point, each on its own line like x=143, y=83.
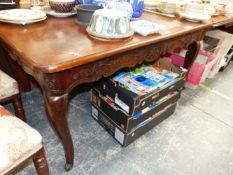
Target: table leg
x=57, y=107
x=191, y=54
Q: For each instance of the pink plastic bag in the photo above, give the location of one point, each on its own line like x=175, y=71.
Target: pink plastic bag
x=176, y=58
x=197, y=69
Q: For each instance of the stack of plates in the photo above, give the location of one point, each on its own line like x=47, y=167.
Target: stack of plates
x=151, y=4
x=195, y=17
x=54, y=13
x=195, y=12
x=168, y=6
x=22, y=16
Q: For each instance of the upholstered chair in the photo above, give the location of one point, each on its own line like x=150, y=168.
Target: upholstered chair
x=18, y=144
x=9, y=92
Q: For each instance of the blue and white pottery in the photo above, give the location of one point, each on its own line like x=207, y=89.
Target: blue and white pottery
x=120, y=5
x=100, y=2
x=138, y=6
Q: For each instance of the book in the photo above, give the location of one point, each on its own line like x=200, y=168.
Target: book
x=145, y=79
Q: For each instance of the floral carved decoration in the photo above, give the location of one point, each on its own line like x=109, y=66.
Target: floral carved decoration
x=63, y=82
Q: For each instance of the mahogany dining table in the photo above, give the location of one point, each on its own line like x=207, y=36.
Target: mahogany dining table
x=59, y=55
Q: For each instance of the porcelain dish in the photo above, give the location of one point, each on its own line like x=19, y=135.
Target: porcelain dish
x=120, y=5
x=193, y=9
x=195, y=18
x=144, y=27
x=104, y=37
x=62, y=6
x=150, y=6
x=110, y=39
x=110, y=24
x=23, y=22
x=54, y=13
x=194, y=12
x=167, y=6
x=22, y=15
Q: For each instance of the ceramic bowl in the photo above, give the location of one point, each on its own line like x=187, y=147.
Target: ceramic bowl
x=85, y=12
x=62, y=6
x=107, y=23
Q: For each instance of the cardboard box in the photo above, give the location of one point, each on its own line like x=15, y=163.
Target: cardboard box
x=131, y=102
x=225, y=62
x=125, y=121
x=123, y=137
x=219, y=43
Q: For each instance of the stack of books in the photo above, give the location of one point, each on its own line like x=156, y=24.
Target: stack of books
x=145, y=79
x=131, y=103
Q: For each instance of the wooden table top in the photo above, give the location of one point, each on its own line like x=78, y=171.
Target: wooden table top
x=222, y=20
x=58, y=44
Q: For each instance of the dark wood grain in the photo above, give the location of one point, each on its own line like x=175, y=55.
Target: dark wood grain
x=40, y=162
x=58, y=44
x=17, y=103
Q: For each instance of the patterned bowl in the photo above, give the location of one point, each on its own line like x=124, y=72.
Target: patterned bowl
x=62, y=6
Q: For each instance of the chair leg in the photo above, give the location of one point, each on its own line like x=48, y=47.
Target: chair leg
x=40, y=162
x=18, y=106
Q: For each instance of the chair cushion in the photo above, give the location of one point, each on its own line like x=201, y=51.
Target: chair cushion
x=18, y=141
x=4, y=112
x=8, y=86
